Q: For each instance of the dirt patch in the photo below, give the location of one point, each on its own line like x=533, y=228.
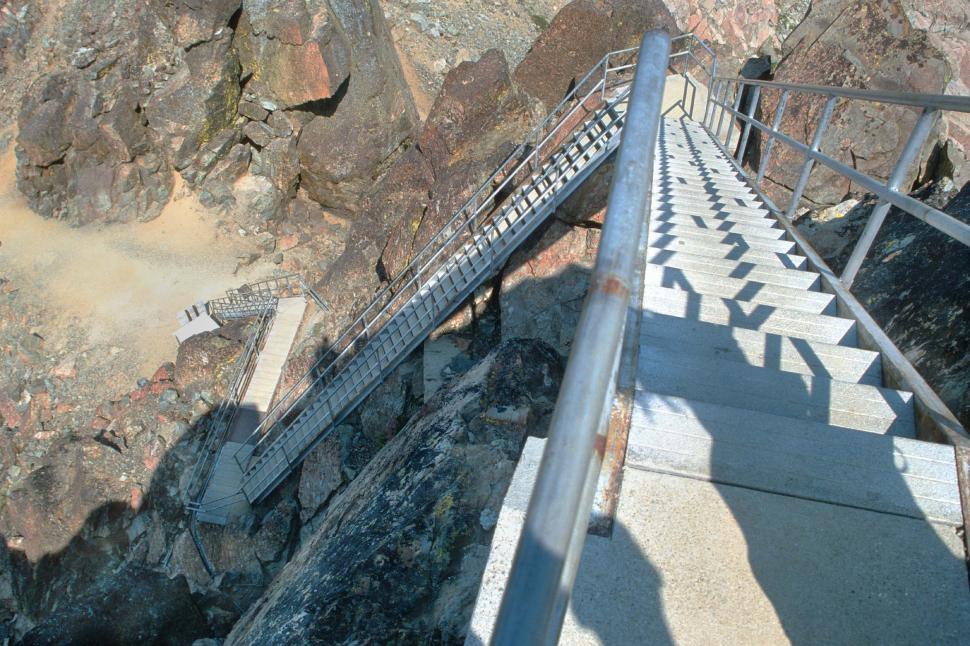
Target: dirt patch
x=119, y=285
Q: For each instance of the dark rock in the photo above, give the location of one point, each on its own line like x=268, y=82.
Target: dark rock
x=474, y=124
x=253, y=111
x=321, y=476
x=399, y=554
x=206, y=361
x=280, y=123
x=134, y=606
x=579, y=36
x=280, y=162
x=196, y=21
x=258, y=202
x=198, y=102
x=258, y=133
x=545, y=283
x=217, y=189
x=869, y=45
x=351, y=140
x=277, y=37
x=914, y=283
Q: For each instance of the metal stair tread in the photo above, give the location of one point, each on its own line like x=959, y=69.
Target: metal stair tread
x=742, y=289
x=798, y=278
x=717, y=226
x=725, y=238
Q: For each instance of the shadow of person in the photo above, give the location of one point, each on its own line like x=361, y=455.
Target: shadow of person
x=617, y=596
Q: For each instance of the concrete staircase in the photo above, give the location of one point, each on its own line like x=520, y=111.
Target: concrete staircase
x=223, y=499
x=773, y=489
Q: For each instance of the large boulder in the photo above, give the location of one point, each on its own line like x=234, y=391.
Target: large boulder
x=278, y=37
x=870, y=45
x=197, y=102
x=479, y=117
x=579, y=36
x=151, y=87
x=354, y=134
x=545, y=282
x=133, y=606
x=399, y=554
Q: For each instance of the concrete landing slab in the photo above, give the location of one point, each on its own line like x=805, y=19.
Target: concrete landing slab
x=692, y=562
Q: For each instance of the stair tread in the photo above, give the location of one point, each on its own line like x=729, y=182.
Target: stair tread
x=732, y=383
x=784, y=353
x=734, y=268
x=752, y=316
x=742, y=289
x=800, y=458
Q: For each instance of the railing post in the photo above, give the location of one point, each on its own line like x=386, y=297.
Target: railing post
x=823, y=123
x=542, y=572
x=739, y=92
x=723, y=105
x=913, y=145
x=779, y=114
x=747, y=124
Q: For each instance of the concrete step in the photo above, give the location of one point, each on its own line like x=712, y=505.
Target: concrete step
x=661, y=210
x=725, y=237
x=711, y=203
x=796, y=278
x=727, y=226
x=812, y=460
x=732, y=252
x=755, y=348
x=741, y=289
x=695, y=183
x=817, y=399
x=750, y=316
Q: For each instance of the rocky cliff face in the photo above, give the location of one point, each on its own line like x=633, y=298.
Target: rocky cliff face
x=398, y=555
x=874, y=45
x=914, y=283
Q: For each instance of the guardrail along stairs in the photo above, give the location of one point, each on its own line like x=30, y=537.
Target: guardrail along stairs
x=777, y=481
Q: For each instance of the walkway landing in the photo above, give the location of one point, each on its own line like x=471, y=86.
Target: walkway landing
x=223, y=498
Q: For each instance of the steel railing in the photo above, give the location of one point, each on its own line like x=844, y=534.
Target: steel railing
x=251, y=299
x=547, y=555
x=468, y=245
x=888, y=192
x=217, y=426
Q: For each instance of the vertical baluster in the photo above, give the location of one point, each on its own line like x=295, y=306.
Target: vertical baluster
x=747, y=124
x=775, y=125
x=723, y=106
x=809, y=162
x=738, y=93
x=913, y=145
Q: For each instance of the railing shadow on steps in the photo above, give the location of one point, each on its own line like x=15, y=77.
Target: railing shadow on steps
x=530, y=180
x=736, y=101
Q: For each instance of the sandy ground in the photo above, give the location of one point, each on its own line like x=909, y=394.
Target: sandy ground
x=120, y=286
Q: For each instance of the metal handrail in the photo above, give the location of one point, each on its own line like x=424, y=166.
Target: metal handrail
x=542, y=574
x=525, y=156
x=888, y=192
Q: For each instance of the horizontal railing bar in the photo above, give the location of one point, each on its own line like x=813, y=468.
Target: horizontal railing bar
x=937, y=101
x=935, y=218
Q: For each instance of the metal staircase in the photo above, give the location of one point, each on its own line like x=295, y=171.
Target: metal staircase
x=556, y=158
